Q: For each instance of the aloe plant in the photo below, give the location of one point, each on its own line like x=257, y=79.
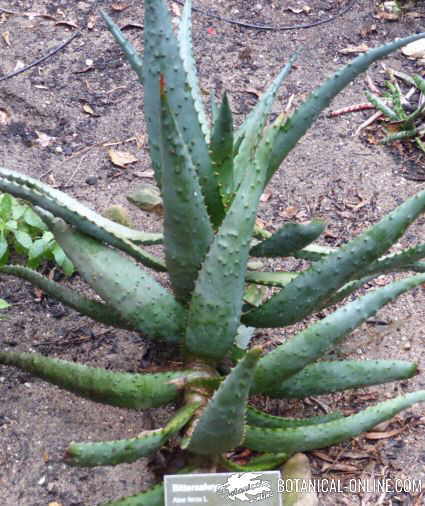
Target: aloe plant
x=405, y=118
x=211, y=178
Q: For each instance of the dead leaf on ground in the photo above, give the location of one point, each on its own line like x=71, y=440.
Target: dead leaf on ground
x=39, y=294
x=331, y=235
x=260, y=223
x=253, y=91
x=119, y=7
x=371, y=138
x=345, y=468
x=388, y=11
x=382, y=280
x=289, y=213
x=132, y=25
x=32, y=15
x=362, y=48
x=299, y=10
x=415, y=14
x=368, y=29
x=323, y=456
x=91, y=22
x=19, y=65
x=43, y=139
x=384, y=435
x=147, y=173
x=6, y=38
x=121, y=158
x=265, y=197
x=415, y=50
x=5, y=116
x=387, y=16
x=355, y=455
x=140, y=141
x=70, y=24
x=88, y=109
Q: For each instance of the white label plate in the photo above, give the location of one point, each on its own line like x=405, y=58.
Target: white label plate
x=218, y=489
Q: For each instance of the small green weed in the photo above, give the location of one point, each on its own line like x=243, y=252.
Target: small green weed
x=24, y=234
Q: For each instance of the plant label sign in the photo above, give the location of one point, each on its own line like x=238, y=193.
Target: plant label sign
x=216, y=489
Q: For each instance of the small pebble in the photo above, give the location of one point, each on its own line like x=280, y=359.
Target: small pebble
x=91, y=180
x=51, y=486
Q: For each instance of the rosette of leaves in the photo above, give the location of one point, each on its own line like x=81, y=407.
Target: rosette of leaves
x=211, y=176
x=404, y=113
x=24, y=234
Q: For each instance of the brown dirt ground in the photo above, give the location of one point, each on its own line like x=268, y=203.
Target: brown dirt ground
x=327, y=175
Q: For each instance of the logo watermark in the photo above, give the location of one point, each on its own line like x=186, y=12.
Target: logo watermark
x=353, y=486
x=246, y=487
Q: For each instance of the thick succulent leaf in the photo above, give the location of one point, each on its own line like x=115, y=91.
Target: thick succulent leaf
x=111, y=453
x=215, y=308
x=122, y=284
x=217, y=299
x=346, y=290
x=306, y=346
x=279, y=279
x=311, y=437
x=83, y=218
x=221, y=150
x=152, y=497
x=264, y=462
x=221, y=425
x=415, y=267
x=134, y=294
x=382, y=106
x=397, y=261
x=126, y=390
x=264, y=104
x=289, y=239
x=186, y=53
x=258, y=418
x=296, y=126
x=253, y=127
x=313, y=252
x=70, y=207
x=326, y=377
x=187, y=229
x=89, y=307
x=131, y=54
x=312, y=287
x=162, y=58
x=213, y=106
